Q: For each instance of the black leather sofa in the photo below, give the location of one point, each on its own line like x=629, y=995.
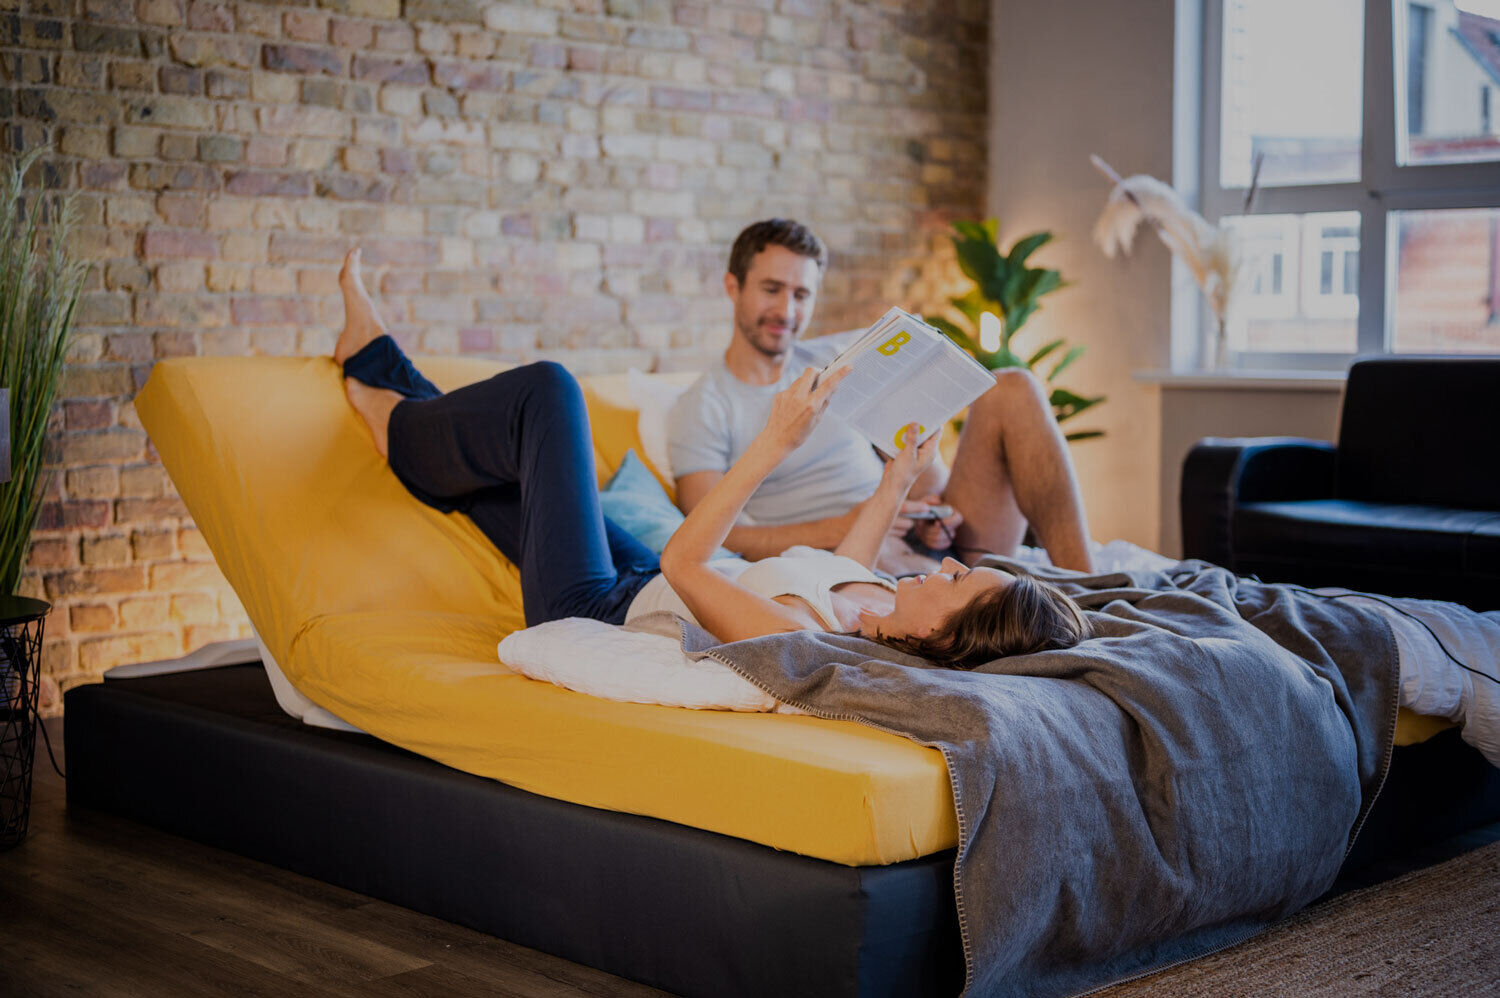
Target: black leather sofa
x=1407, y=503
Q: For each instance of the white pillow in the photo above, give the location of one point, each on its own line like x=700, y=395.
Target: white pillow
x=653, y=395
x=608, y=661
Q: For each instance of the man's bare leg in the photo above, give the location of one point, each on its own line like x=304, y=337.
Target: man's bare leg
x=361, y=325
x=1013, y=468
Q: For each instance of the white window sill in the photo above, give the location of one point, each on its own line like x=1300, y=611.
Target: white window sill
x=1246, y=380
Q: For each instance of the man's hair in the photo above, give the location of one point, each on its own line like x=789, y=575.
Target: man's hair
x=1027, y=616
x=774, y=232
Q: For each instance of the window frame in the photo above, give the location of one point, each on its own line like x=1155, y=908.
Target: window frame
x=1385, y=184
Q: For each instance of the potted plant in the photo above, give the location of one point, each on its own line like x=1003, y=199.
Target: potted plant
x=39, y=291
x=1005, y=294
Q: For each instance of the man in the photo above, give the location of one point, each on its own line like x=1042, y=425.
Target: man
x=1011, y=468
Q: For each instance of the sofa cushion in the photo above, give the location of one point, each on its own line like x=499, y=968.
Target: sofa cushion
x=1393, y=549
x=1421, y=430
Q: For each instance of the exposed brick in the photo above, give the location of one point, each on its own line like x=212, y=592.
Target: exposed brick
x=261, y=182
x=128, y=511
x=512, y=17
x=305, y=25
x=194, y=608
x=210, y=15
x=87, y=414
x=90, y=581
x=107, y=38
x=469, y=76
x=106, y=550
x=214, y=50
x=181, y=80
x=91, y=617
x=52, y=552
x=182, y=176
x=364, y=8
x=263, y=311
x=304, y=121
x=383, y=69
x=99, y=654
x=145, y=613
x=173, y=576
x=177, y=244
x=303, y=59
x=465, y=11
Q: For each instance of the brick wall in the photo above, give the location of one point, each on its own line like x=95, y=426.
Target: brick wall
x=558, y=179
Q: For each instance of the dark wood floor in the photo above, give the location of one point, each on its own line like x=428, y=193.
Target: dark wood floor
x=98, y=906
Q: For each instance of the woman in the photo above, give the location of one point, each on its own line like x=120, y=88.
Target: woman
x=515, y=454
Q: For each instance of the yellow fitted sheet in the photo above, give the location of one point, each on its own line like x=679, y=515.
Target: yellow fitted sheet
x=387, y=613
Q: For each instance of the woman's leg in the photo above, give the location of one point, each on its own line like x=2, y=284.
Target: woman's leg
x=515, y=454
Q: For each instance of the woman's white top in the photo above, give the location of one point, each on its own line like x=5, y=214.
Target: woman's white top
x=805, y=572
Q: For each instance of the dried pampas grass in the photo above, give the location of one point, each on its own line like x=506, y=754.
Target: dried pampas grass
x=1209, y=251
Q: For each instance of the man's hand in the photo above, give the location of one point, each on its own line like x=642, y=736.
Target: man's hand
x=934, y=534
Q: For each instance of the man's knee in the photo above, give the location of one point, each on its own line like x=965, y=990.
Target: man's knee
x=1016, y=389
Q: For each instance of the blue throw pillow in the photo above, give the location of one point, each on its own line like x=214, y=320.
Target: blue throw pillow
x=635, y=500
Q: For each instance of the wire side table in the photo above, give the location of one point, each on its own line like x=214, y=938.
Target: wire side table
x=21, y=620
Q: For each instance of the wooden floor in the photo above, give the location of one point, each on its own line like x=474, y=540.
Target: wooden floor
x=98, y=906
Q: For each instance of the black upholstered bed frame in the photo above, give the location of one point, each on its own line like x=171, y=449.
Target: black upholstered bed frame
x=209, y=755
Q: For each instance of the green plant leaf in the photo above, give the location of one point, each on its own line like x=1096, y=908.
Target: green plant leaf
x=1068, y=358
x=953, y=332
x=973, y=305
x=1083, y=435
x=1037, y=357
x=1026, y=246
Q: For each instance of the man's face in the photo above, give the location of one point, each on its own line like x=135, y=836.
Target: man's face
x=775, y=304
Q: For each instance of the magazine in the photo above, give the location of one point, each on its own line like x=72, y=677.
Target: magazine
x=904, y=371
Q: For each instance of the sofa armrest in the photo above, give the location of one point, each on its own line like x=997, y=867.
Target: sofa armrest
x=1221, y=472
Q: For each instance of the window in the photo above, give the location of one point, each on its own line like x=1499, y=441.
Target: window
x=1374, y=224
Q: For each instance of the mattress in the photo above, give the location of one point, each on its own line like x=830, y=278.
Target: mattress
x=387, y=613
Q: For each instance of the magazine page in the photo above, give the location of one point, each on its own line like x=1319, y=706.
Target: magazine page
x=904, y=371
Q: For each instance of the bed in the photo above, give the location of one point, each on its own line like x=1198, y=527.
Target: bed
x=706, y=853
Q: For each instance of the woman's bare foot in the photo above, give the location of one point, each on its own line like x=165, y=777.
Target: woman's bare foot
x=374, y=406
x=361, y=322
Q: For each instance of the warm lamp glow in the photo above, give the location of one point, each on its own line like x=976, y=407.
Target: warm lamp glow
x=989, y=332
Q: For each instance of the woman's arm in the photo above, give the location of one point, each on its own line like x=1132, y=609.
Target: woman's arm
x=726, y=609
x=862, y=542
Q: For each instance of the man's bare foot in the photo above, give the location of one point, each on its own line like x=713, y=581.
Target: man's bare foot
x=374, y=406
x=361, y=322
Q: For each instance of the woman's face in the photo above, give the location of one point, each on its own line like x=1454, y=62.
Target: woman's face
x=923, y=602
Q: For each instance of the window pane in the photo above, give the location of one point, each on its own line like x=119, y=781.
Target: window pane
x=1446, y=281
x=1298, y=290
x=1292, y=90
x=1448, y=55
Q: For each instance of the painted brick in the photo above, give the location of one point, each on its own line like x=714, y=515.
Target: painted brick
x=510, y=17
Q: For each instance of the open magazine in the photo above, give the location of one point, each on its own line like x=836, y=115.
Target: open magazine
x=904, y=371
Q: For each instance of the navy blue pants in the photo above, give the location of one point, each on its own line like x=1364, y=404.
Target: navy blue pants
x=515, y=455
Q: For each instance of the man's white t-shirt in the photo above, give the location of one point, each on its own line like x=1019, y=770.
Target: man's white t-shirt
x=715, y=420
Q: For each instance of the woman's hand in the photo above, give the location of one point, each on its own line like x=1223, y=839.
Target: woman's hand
x=798, y=407
x=903, y=469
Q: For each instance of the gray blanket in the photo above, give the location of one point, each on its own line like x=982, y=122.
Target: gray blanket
x=1190, y=775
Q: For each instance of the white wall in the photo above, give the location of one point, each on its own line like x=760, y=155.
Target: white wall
x=1069, y=78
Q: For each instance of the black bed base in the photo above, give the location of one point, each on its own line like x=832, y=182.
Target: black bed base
x=209, y=755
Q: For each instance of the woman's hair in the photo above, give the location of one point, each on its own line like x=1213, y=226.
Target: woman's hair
x=1027, y=616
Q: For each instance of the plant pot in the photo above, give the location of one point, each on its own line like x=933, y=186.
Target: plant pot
x=21, y=621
